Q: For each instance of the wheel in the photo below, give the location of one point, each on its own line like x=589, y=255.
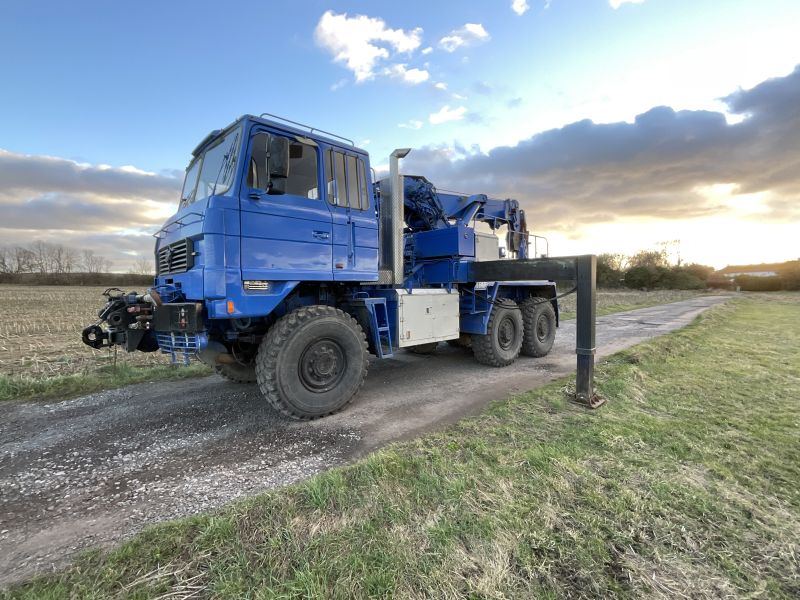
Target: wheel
x=312, y=362
x=539, y=318
x=237, y=373
x=424, y=349
x=464, y=342
x=503, y=340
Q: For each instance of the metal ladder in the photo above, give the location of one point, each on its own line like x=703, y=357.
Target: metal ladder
x=378, y=315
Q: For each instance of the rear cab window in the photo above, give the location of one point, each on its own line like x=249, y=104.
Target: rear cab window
x=345, y=180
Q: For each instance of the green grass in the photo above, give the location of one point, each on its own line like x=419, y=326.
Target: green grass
x=21, y=387
x=686, y=484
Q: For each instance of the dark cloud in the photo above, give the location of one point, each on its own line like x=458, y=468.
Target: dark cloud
x=80, y=213
x=587, y=172
x=36, y=175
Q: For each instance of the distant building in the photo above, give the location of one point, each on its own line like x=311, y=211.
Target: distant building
x=762, y=270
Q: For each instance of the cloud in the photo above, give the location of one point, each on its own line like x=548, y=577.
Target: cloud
x=411, y=124
x=520, y=6
x=440, y=85
x=653, y=168
x=427, y=50
x=615, y=4
x=412, y=76
x=468, y=35
x=22, y=173
x=360, y=42
x=62, y=201
x=445, y=114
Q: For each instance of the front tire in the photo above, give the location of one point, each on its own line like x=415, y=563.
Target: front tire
x=312, y=362
x=540, y=326
x=503, y=340
x=237, y=373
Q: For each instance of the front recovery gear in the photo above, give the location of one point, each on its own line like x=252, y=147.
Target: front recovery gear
x=129, y=318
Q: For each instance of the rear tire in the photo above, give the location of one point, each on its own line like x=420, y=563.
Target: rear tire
x=503, y=340
x=312, y=362
x=237, y=373
x=540, y=326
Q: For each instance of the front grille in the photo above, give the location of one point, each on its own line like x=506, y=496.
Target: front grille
x=178, y=257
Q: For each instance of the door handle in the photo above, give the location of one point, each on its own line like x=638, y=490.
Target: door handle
x=321, y=235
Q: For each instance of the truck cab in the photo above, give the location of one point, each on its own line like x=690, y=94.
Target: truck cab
x=246, y=222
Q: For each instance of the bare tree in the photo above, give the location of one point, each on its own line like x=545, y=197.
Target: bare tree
x=92, y=263
x=143, y=266
x=23, y=260
x=5, y=260
x=649, y=258
x=42, y=256
x=70, y=259
x=63, y=258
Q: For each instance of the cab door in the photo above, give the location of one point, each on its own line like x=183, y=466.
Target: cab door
x=285, y=236
x=355, y=223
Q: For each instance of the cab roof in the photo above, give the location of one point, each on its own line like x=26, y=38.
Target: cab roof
x=284, y=125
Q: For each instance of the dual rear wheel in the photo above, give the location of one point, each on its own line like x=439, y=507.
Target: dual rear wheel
x=528, y=328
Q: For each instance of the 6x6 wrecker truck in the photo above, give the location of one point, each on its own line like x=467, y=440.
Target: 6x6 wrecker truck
x=287, y=264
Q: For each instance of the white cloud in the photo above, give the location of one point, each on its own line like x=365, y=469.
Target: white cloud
x=412, y=124
x=468, y=35
x=440, y=86
x=615, y=4
x=520, y=6
x=360, y=42
x=427, y=50
x=412, y=76
x=446, y=114
x=338, y=85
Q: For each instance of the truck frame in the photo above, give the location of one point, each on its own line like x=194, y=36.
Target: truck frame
x=287, y=264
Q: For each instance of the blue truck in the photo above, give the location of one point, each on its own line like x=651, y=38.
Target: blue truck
x=287, y=264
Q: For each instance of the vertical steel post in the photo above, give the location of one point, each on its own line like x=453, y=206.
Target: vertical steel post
x=585, y=275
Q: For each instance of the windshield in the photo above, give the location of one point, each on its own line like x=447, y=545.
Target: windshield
x=212, y=172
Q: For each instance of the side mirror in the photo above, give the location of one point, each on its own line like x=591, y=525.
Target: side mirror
x=278, y=164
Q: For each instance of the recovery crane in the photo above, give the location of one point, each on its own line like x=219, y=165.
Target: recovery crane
x=287, y=265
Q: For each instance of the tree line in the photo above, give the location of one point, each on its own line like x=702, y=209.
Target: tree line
x=47, y=263
x=651, y=269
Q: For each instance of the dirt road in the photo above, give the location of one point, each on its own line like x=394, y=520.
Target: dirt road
x=97, y=469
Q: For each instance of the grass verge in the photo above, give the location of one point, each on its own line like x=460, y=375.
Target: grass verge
x=684, y=485
x=20, y=387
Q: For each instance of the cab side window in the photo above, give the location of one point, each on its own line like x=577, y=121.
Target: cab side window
x=345, y=180
x=302, y=180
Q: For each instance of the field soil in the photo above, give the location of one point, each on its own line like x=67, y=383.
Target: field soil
x=96, y=469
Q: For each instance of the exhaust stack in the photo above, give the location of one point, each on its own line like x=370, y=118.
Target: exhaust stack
x=392, y=221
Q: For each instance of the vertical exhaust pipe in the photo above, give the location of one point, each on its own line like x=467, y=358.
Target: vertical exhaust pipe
x=394, y=218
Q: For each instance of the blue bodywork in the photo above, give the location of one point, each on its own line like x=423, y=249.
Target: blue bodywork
x=252, y=256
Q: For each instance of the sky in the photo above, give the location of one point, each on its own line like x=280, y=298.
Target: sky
x=618, y=124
